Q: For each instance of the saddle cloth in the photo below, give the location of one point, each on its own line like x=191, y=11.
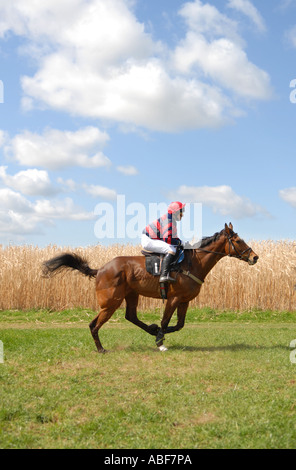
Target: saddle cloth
x=153, y=261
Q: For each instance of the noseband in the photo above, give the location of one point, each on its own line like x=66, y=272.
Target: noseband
x=237, y=255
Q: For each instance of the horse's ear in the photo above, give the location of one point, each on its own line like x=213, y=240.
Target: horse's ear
x=230, y=226
x=226, y=228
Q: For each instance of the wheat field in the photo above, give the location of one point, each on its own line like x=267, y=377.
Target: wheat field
x=232, y=284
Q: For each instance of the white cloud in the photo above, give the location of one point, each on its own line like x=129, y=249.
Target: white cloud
x=96, y=60
x=13, y=201
x=19, y=216
x=284, y=4
x=31, y=182
x=129, y=170
x=64, y=209
x=207, y=20
x=68, y=185
x=3, y=137
x=226, y=63
x=247, y=8
x=289, y=195
x=212, y=45
x=291, y=36
x=17, y=225
x=55, y=149
x=221, y=199
x=141, y=93
x=92, y=189
x=100, y=191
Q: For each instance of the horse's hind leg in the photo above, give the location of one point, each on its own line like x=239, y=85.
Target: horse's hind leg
x=131, y=314
x=103, y=316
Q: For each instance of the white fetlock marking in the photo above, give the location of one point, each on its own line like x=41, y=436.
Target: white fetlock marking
x=162, y=348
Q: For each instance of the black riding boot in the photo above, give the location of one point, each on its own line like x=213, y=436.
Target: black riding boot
x=165, y=269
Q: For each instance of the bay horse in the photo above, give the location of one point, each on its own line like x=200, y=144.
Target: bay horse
x=126, y=278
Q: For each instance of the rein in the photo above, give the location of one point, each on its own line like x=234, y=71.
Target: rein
x=238, y=255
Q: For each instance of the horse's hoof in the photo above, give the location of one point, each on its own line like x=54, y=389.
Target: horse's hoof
x=103, y=351
x=162, y=348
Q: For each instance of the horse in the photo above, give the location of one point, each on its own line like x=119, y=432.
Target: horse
x=126, y=278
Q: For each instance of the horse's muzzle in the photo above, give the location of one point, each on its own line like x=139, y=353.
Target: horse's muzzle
x=253, y=260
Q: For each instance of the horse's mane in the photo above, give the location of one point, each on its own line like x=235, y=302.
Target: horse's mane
x=205, y=241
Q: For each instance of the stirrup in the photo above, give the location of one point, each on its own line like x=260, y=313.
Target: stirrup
x=167, y=278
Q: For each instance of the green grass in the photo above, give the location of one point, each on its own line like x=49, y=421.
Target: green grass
x=225, y=382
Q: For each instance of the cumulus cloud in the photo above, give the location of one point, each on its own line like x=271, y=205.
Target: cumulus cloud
x=18, y=225
x=93, y=189
x=100, y=191
x=221, y=199
x=291, y=36
x=284, y=4
x=128, y=170
x=64, y=209
x=14, y=201
x=96, y=60
x=141, y=93
x=289, y=195
x=225, y=62
x=20, y=216
x=55, y=149
x=16, y=214
x=208, y=20
x=68, y=184
x=31, y=182
x=212, y=45
x=247, y=8
x=3, y=137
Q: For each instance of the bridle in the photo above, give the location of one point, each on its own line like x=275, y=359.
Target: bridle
x=238, y=255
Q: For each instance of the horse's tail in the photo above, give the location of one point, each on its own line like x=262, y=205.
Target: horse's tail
x=68, y=260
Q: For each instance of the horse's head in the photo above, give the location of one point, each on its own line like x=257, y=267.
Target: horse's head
x=237, y=247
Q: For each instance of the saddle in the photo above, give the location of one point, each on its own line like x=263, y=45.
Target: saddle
x=153, y=261
x=153, y=266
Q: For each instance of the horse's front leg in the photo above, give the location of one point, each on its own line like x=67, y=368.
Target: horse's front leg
x=181, y=314
x=167, y=315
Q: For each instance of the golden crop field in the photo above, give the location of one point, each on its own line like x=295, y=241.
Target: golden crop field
x=232, y=284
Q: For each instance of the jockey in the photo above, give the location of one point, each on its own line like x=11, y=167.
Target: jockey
x=161, y=237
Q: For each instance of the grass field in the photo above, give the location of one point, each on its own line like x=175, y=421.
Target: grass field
x=226, y=382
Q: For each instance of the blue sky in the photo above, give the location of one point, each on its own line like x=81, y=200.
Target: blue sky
x=151, y=100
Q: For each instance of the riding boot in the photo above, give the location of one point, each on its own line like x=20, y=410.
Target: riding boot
x=165, y=269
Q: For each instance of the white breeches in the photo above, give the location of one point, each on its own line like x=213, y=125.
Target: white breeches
x=157, y=246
